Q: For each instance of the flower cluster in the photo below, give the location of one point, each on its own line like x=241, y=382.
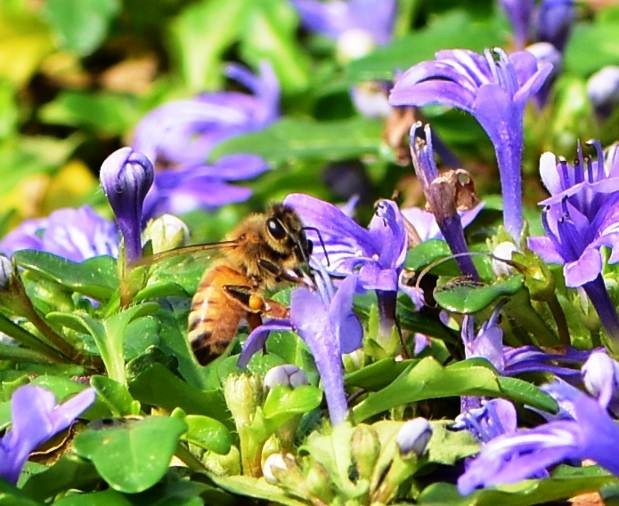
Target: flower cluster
x=582, y=430
x=494, y=88
x=580, y=217
x=75, y=234
x=179, y=136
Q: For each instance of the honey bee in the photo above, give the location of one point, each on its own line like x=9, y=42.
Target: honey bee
x=262, y=251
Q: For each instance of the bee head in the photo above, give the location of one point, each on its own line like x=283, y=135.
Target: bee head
x=285, y=233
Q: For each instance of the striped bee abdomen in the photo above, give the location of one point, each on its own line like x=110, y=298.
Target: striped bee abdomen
x=214, y=317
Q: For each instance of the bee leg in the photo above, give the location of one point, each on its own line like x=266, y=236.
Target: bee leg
x=246, y=297
x=279, y=273
x=255, y=304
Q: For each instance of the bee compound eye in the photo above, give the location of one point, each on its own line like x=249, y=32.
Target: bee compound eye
x=309, y=246
x=276, y=229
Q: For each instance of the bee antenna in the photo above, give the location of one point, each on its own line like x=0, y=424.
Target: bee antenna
x=322, y=242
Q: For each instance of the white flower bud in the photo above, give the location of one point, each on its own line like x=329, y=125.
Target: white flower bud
x=414, y=436
x=286, y=375
x=504, y=251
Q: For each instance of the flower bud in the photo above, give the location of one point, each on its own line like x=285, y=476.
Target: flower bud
x=282, y=469
x=546, y=52
x=600, y=374
x=503, y=251
x=285, y=375
x=554, y=22
x=165, y=233
x=7, y=273
x=354, y=44
x=603, y=90
x=126, y=176
x=272, y=466
x=414, y=437
x=365, y=448
x=518, y=13
x=242, y=397
x=319, y=483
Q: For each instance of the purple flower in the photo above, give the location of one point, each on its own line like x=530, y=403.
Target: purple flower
x=126, y=176
x=75, y=234
x=325, y=320
x=524, y=453
x=580, y=217
x=425, y=223
x=488, y=343
x=180, y=135
x=494, y=88
x=553, y=22
x=519, y=13
x=375, y=254
x=202, y=187
x=490, y=420
x=35, y=418
x=336, y=19
x=603, y=90
x=443, y=194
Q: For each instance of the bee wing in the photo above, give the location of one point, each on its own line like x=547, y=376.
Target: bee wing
x=193, y=249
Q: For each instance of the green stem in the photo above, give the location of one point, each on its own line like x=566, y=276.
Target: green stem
x=24, y=337
x=54, y=338
x=19, y=354
x=560, y=320
x=520, y=310
x=183, y=453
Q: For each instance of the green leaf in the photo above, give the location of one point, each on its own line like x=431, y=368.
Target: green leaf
x=293, y=139
x=105, y=498
x=565, y=483
x=161, y=289
x=377, y=375
x=33, y=155
x=95, y=277
x=451, y=30
x=427, y=379
x=427, y=252
x=133, y=457
x=69, y=472
x=333, y=450
x=258, y=488
x=109, y=334
x=208, y=433
x=103, y=112
x=448, y=446
x=283, y=403
x=81, y=24
x=271, y=34
x=199, y=37
x=141, y=334
x=602, y=37
x=115, y=395
x=25, y=39
x=467, y=297
x=527, y=393
x=157, y=386
x=12, y=496
x=9, y=112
